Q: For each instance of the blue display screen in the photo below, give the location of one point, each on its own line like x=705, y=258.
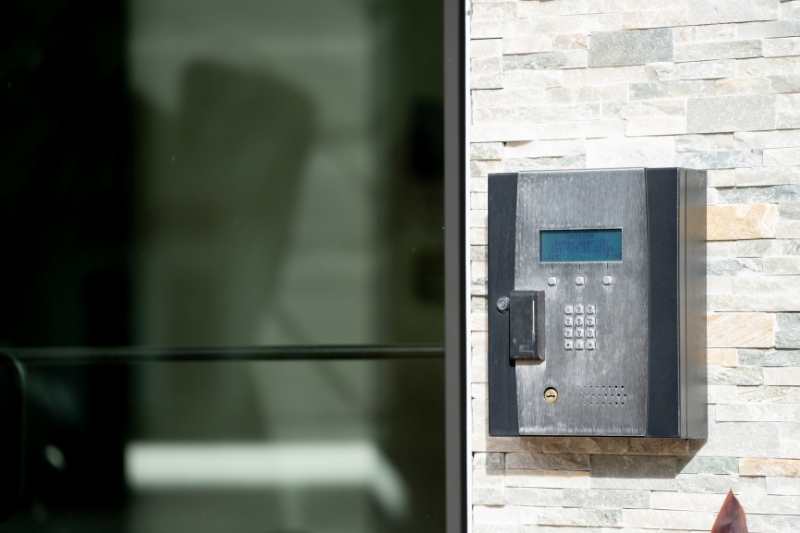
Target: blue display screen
x=580, y=245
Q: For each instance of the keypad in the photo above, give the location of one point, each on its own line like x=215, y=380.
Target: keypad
x=580, y=326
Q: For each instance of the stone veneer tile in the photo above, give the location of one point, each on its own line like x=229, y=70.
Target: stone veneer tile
x=719, y=11
x=717, y=50
x=730, y=113
x=633, y=47
x=561, y=517
x=742, y=221
x=681, y=520
x=606, y=498
x=788, y=332
x=769, y=358
x=769, y=467
x=722, y=356
x=741, y=330
x=788, y=376
x=711, y=465
x=757, y=413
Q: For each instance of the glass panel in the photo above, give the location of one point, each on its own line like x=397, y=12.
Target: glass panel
x=231, y=445
x=210, y=174
x=221, y=172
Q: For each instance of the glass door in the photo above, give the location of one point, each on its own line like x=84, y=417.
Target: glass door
x=223, y=286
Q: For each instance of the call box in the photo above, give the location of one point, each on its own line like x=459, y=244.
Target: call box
x=597, y=303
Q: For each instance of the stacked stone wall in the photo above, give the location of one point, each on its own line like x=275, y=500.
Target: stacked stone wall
x=710, y=84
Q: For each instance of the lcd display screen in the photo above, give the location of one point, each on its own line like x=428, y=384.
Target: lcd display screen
x=580, y=245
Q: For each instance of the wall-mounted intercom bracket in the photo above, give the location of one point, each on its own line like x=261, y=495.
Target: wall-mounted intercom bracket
x=597, y=303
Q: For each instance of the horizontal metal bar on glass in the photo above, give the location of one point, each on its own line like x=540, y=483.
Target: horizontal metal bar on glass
x=73, y=355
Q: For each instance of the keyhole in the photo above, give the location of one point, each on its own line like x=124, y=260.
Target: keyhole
x=550, y=395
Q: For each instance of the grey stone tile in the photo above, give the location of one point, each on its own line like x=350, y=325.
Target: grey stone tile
x=731, y=113
x=634, y=47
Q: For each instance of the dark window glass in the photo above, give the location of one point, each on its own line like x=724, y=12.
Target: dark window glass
x=221, y=172
x=187, y=185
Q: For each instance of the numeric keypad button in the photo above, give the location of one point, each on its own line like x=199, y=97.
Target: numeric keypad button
x=568, y=333
x=590, y=321
x=567, y=320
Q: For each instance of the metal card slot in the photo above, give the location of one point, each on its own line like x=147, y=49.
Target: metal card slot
x=526, y=319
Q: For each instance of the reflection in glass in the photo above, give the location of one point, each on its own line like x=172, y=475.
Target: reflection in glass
x=212, y=174
x=220, y=173
x=139, y=447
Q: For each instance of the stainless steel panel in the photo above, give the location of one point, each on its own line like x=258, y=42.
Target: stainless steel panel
x=695, y=303
x=600, y=391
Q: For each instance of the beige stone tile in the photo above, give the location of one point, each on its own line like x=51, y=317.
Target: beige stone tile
x=741, y=330
x=741, y=221
x=750, y=466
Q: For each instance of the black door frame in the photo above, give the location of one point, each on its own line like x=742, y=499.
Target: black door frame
x=455, y=265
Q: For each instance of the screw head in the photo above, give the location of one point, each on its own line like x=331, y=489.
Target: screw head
x=503, y=303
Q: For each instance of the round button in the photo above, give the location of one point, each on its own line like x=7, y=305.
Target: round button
x=580, y=280
x=608, y=280
x=552, y=281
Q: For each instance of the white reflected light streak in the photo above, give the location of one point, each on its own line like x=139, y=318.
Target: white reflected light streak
x=151, y=465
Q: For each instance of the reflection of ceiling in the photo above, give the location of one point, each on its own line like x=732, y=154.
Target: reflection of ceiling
x=321, y=464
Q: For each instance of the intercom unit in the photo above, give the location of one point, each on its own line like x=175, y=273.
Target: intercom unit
x=597, y=303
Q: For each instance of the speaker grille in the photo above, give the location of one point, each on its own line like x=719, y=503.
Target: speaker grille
x=604, y=395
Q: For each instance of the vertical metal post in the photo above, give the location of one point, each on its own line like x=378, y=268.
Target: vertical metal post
x=455, y=266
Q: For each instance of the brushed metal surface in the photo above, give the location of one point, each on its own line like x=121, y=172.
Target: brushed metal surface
x=591, y=384
x=695, y=301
